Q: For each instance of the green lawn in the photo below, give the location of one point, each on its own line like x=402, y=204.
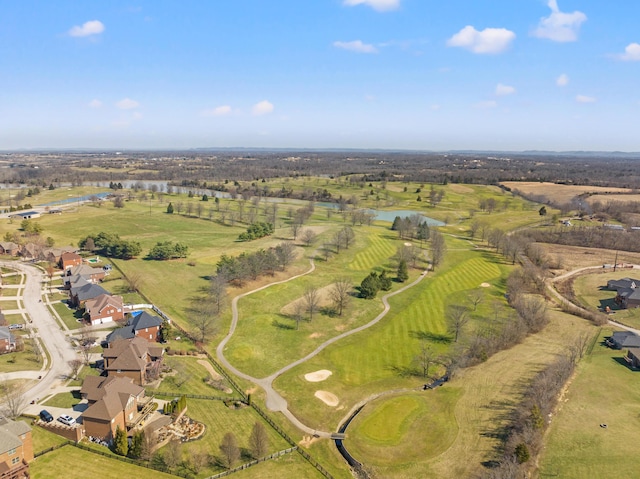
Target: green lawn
x=219, y=420
x=13, y=279
x=604, y=391
x=83, y=373
x=73, y=463
x=69, y=316
x=20, y=361
x=65, y=400
x=190, y=377
x=43, y=439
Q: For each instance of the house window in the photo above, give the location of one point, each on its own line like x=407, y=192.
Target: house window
x=130, y=416
x=12, y=451
x=15, y=460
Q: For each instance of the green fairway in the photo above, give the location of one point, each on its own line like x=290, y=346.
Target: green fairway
x=604, y=391
x=394, y=431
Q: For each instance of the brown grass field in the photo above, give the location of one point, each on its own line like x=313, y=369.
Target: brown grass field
x=608, y=198
x=559, y=193
x=574, y=257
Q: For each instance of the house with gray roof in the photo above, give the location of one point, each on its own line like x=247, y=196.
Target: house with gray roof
x=78, y=295
x=142, y=325
x=7, y=340
x=628, y=290
x=16, y=448
x=623, y=340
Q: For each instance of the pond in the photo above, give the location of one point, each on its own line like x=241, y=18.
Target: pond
x=390, y=215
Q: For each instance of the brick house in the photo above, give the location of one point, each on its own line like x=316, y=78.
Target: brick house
x=79, y=295
x=9, y=247
x=134, y=358
x=142, y=325
x=16, y=449
x=113, y=402
x=105, y=308
x=7, y=340
x=70, y=259
x=85, y=272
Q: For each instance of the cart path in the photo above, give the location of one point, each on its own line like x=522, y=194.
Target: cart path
x=275, y=402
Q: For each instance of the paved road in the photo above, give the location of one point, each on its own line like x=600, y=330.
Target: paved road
x=275, y=402
x=47, y=330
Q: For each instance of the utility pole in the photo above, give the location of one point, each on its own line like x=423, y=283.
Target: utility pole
x=615, y=262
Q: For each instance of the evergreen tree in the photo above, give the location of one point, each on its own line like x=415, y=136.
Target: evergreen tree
x=385, y=281
x=396, y=223
x=170, y=208
x=403, y=271
x=205, y=197
x=522, y=453
x=120, y=444
x=137, y=442
x=370, y=286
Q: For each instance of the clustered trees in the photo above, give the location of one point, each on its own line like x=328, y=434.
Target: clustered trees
x=373, y=283
x=256, y=231
x=248, y=266
x=110, y=245
x=411, y=227
x=523, y=435
x=164, y=250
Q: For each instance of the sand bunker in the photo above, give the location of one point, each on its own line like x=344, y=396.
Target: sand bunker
x=207, y=365
x=318, y=376
x=408, y=244
x=485, y=285
x=328, y=398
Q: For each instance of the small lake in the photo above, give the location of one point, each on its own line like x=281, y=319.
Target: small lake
x=76, y=199
x=390, y=215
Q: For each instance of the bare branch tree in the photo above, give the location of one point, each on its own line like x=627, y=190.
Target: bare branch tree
x=312, y=300
x=425, y=358
x=75, y=365
x=309, y=236
x=258, y=441
x=340, y=293
x=230, y=450
x=12, y=399
x=457, y=318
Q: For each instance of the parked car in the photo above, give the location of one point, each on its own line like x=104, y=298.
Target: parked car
x=16, y=326
x=66, y=419
x=46, y=416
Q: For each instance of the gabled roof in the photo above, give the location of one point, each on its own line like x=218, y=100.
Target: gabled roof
x=88, y=291
x=96, y=305
x=70, y=256
x=84, y=269
x=624, y=283
x=120, y=334
x=106, y=409
x=6, y=334
x=145, y=320
x=8, y=245
x=128, y=360
x=626, y=339
x=10, y=432
x=95, y=388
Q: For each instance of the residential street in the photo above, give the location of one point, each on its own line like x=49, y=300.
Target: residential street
x=57, y=344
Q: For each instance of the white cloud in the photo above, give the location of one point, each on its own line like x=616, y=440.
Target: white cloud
x=263, y=107
x=127, y=104
x=356, y=46
x=485, y=105
x=378, y=5
x=562, y=80
x=631, y=53
x=222, y=110
x=95, y=103
x=489, y=40
x=560, y=26
x=92, y=27
x=504, y=90
x=585, y=99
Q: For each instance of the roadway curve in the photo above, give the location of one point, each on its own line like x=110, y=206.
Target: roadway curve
x=47, y=330
x=274, y=401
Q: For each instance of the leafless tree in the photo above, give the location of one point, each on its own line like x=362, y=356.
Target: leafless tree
x=457, y=318
x=85, y=343
x=298, y=313
x=133, y=281
x=12, y=399
x=199, y=209
x=438, y=247
x=203, y=318
x=340, y=294
x=230, y=450
x=179, y=207
x=475, y=297
x=218, y=292
x=189, y=208
x=425, y=358
x=309, y=236
x=118, y=202
x=258, y=441
x=312, y=300
x=286, y=253
x=348, y=236
x=75, y=365
x=295, y=226
x=173, y=454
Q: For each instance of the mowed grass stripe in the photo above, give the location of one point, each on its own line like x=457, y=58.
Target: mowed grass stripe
x=379, y=251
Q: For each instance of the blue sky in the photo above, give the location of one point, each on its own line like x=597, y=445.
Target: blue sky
x=396, y=74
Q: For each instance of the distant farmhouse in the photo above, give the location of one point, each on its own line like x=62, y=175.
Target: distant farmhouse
x=628, y=290
x=26, y=215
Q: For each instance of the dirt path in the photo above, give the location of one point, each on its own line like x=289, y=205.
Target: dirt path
x=275, y=402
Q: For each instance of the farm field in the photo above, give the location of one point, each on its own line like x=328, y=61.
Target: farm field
x=577, y=445
x=557, y=192
x=574, y=257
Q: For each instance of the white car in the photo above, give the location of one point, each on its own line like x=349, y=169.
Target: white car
x=66, y=419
